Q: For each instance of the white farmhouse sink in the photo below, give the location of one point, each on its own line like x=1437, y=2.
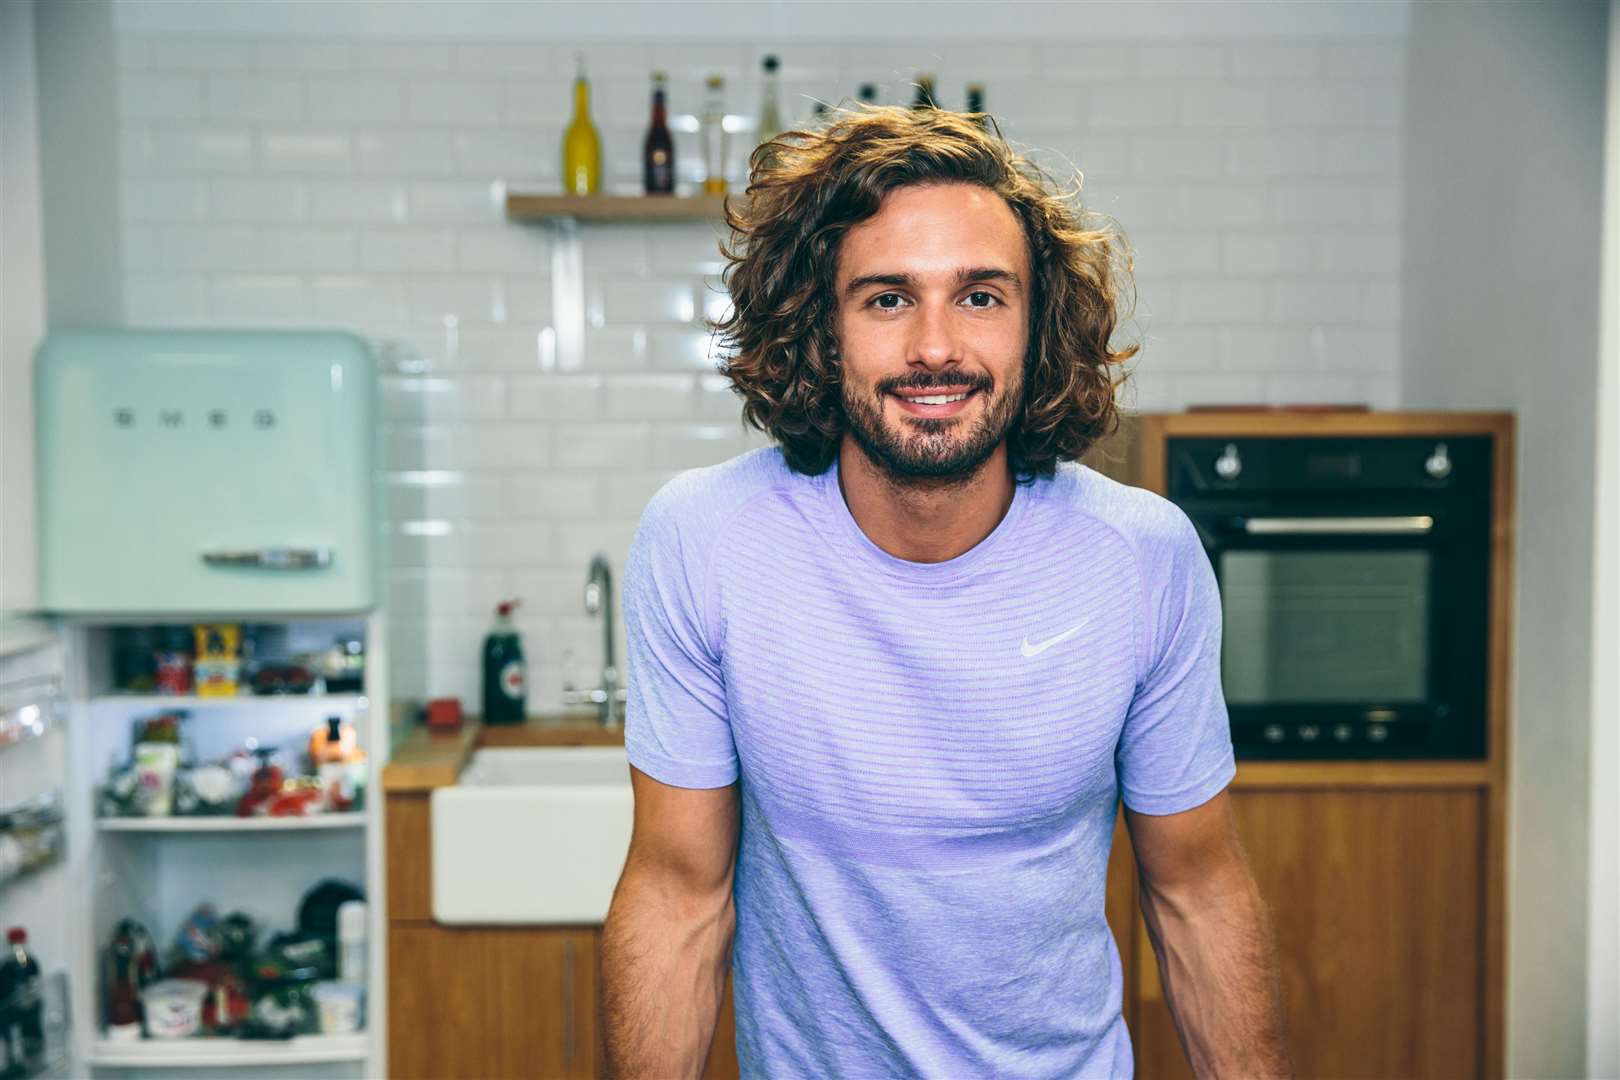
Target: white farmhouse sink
x=531, y=835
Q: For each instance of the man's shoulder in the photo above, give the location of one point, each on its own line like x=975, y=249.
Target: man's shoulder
x=705, y=498
x=1146, y=520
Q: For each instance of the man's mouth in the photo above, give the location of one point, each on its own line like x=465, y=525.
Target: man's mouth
x=946, y=401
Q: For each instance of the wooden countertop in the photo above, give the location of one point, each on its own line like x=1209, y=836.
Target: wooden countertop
x=427, y=759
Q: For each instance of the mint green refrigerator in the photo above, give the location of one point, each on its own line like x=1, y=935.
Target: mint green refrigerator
x=203, y=471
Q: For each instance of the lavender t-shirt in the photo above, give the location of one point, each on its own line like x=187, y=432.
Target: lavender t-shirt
x=930, y=756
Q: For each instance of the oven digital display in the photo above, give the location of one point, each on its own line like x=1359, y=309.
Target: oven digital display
x=1333, y=466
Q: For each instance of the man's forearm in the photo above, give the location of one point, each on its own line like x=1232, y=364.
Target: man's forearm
x=664, y=961
x=1219, y=970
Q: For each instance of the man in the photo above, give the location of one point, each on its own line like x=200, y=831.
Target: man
x=889, y=677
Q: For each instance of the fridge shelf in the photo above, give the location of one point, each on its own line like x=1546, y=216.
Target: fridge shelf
x=227, y=823
x=31, y=836
x=249, y=701
x=222, y=1052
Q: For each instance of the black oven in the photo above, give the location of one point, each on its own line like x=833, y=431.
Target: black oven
x=1354, y=577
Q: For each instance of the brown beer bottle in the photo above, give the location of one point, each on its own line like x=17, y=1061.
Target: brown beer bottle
x=658, y=151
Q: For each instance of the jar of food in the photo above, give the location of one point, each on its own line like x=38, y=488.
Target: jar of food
x=338, y=1005
x=174, y=1008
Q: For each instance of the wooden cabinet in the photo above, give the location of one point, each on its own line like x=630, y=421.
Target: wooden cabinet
x=486, y=1003
x=1376, y=901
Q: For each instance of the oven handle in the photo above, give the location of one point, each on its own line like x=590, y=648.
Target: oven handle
x=1416, y=525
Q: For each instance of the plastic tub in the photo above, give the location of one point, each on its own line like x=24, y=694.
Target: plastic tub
x=174, y=1008
x=338, y=1004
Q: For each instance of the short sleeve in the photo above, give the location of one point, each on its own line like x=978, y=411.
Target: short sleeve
x=1175, y=752
x=676, y=727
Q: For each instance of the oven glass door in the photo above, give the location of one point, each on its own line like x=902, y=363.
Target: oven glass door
x=1344, y=634
x=1327, y=625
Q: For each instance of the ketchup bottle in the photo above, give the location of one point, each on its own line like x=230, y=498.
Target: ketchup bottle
x=505, y=674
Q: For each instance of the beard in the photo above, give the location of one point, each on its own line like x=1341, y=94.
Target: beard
x=931, y=451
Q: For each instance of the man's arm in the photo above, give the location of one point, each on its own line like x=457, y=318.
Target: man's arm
x=1210, y=933
x=666, y=943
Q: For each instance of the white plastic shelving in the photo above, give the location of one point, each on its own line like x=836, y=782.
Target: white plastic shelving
x=239, y=701
x=157, y=869
x=221, y=1053
x=227, y=823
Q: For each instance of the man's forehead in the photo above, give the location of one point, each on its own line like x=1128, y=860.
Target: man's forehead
x=935, y=230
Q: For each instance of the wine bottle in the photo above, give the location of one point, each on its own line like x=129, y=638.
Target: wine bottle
x=975, y=104
x=714, y=136
x=770, y=112
x=924, y=98
x=582, y=145
x=658, y=151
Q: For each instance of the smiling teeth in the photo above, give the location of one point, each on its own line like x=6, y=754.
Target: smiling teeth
x=937, y=399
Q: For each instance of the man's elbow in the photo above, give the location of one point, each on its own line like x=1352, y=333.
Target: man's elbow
x=674, y=893
x=1221, y=881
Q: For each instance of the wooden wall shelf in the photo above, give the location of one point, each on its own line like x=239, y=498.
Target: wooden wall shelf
x=617, y=208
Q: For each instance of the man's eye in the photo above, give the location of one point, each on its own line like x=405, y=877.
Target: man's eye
x=881, y=297
x=990, y=298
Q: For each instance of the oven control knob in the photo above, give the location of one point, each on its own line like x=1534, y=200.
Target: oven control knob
x=1228, y=465
x=1439, y=463
x=1377, y=732
x=1273, y=732
x=1309, y=732
x=1343, y=732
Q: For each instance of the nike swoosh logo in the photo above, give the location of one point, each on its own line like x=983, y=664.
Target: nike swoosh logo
x=1035, y=650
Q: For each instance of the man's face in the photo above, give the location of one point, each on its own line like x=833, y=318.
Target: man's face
x=933, y=299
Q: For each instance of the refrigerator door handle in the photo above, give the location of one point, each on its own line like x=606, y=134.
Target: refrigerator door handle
x=273, y=558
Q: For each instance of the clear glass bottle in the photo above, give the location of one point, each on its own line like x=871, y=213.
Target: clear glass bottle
x=715, y=140
x=658, y=149
x=582, y=145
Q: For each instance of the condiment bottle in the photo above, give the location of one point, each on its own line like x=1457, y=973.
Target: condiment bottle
x=505, y=672
x=582, y=146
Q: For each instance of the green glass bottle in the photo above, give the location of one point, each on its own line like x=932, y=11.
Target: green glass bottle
x=582, y=144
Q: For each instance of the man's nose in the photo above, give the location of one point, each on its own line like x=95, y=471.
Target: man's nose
x=934, y=341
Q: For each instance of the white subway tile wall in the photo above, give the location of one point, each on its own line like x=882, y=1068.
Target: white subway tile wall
x=361, y=184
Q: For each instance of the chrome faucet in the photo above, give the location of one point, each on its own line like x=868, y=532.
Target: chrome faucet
x=599, y=600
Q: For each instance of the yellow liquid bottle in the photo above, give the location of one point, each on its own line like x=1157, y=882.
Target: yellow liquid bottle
x=582, y=145
x=712, y=130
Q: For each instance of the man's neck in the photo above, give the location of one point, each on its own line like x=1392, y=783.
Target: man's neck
x=924, y=521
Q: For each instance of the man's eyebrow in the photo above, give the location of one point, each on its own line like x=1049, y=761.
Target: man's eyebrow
x=964, y=276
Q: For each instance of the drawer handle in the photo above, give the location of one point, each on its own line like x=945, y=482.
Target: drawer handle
x=273, y=558
x=568, y=1002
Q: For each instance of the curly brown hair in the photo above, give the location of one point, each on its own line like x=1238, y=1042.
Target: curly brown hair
x=808, y=187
